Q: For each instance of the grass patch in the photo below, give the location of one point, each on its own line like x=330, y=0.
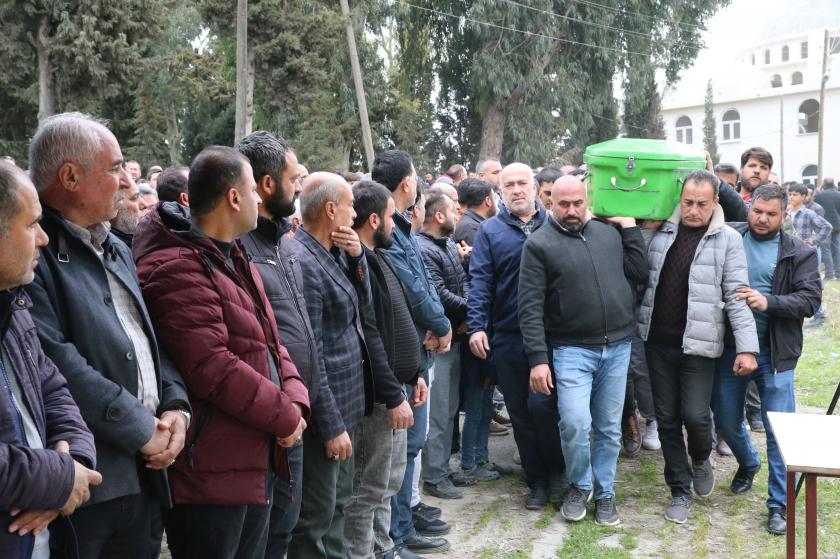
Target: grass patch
x=582, y=543
x=546, y=517
x=493, y=553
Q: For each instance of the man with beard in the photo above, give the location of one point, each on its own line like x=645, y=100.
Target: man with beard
x=130, y=210
x=444, y=264
x=580, y=275
x=383, y=438
x=756, y=163
x=784, y=289
x=276, y=172
x=492, y=311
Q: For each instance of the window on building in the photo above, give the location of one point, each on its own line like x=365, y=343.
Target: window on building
x=834, y=45
x=809, y=116
x=785, y=53
x=809, y=174
x=767, y=56
x=753, y=59
x=796, y=78
x=731, y=125
x=776, y=81
x=803, y=49
x=683, y=128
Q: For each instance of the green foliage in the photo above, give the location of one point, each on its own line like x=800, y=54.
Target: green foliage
x=710, y=124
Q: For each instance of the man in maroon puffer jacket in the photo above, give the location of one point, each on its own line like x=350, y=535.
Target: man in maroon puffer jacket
x=211, y=313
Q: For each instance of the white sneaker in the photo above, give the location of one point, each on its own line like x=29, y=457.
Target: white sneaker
x=650, y=440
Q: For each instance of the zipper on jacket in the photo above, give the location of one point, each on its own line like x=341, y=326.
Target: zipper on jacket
x=292, y=293
x=598, y=285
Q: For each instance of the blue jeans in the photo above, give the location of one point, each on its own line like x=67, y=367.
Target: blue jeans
x=402, y=525
x=443, y=412
x=776, y=391
x=590, y=383
x=478, y=409
x=831, y=254
x=285, y=508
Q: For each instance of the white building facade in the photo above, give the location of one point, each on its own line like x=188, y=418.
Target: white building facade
x=768, y=96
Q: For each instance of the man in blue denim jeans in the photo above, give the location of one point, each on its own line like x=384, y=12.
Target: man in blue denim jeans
x=580, y=275
x=784, y=289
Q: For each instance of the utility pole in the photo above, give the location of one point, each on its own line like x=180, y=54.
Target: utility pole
x=356, y=69
x=820, y=132
x=244, y=91
x=782, y=136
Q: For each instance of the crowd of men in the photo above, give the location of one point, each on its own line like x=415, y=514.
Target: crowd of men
x=269, y=363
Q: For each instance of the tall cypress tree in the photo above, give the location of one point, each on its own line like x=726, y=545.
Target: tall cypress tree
x=710, y=124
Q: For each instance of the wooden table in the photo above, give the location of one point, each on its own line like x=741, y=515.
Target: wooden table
x=810, y=445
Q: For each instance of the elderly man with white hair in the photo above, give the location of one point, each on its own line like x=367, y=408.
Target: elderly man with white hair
x=492, y=308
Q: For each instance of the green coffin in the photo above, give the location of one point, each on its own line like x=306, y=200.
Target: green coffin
x=638, y=178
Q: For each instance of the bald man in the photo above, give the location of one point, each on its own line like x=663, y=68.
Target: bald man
x=338, y=303
x=492, y=307
x=580, y=276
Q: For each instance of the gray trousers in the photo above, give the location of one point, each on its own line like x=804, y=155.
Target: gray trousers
x=327, y=486
x=378, y=475
x=443, y=410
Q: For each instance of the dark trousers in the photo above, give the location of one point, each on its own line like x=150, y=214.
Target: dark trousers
x=638, y=394
x=285, y=508
x=682, y=393
x=223, y=532
x=327, y=488
x=534, y=416
x=752, y=403
x=119, y=529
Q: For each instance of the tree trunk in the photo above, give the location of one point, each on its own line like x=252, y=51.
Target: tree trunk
x=46, y=101
x=173, y=134
x=492, y=133
x=356, y=69
x=244, y=67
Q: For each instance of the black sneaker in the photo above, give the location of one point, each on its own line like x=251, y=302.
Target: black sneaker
x=481, y=473
x=503, y=470
x=756, y=424
x=703, y=477
x=431, y=527
x=460, y=480
x=537, y=499
x=422, y=544
x=426, y=511
x=776, y=521
x=606, y=513
x=405, y=553
x=574, y=505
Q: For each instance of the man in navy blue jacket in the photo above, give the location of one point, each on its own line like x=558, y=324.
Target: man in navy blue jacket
x=493, y=316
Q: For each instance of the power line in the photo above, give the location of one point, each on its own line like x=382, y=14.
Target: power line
x=529, y=33
x=628, y=12
x=583, y=21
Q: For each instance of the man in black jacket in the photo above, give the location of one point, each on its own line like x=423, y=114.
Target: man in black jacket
x=276, y=173
x=450, y=280
x=784, y=289
x=580, y=277
x=93, y=323
x=829, y=199
x=384, y=435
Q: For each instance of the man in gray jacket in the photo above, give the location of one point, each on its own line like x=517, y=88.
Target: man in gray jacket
x=697, y=264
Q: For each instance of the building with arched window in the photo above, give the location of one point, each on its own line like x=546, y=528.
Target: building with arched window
x=768, y=95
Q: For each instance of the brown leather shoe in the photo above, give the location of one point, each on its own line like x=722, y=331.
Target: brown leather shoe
x=497, y=430
x=630, y=438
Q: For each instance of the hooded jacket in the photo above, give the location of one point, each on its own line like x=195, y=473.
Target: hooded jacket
x=213, y=317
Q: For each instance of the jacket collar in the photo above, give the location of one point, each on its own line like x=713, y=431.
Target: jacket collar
x=402, y=223
x=787, y=244
x=474, y=215
x=12, y=300
x=273, y=229
x=505, y=216
x=440, y=241
x=715, y=224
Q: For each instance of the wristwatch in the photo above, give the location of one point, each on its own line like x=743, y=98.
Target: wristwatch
x=187, y=416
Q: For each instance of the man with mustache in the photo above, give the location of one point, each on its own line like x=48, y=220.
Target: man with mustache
x=579, y=275
x=493, y=325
